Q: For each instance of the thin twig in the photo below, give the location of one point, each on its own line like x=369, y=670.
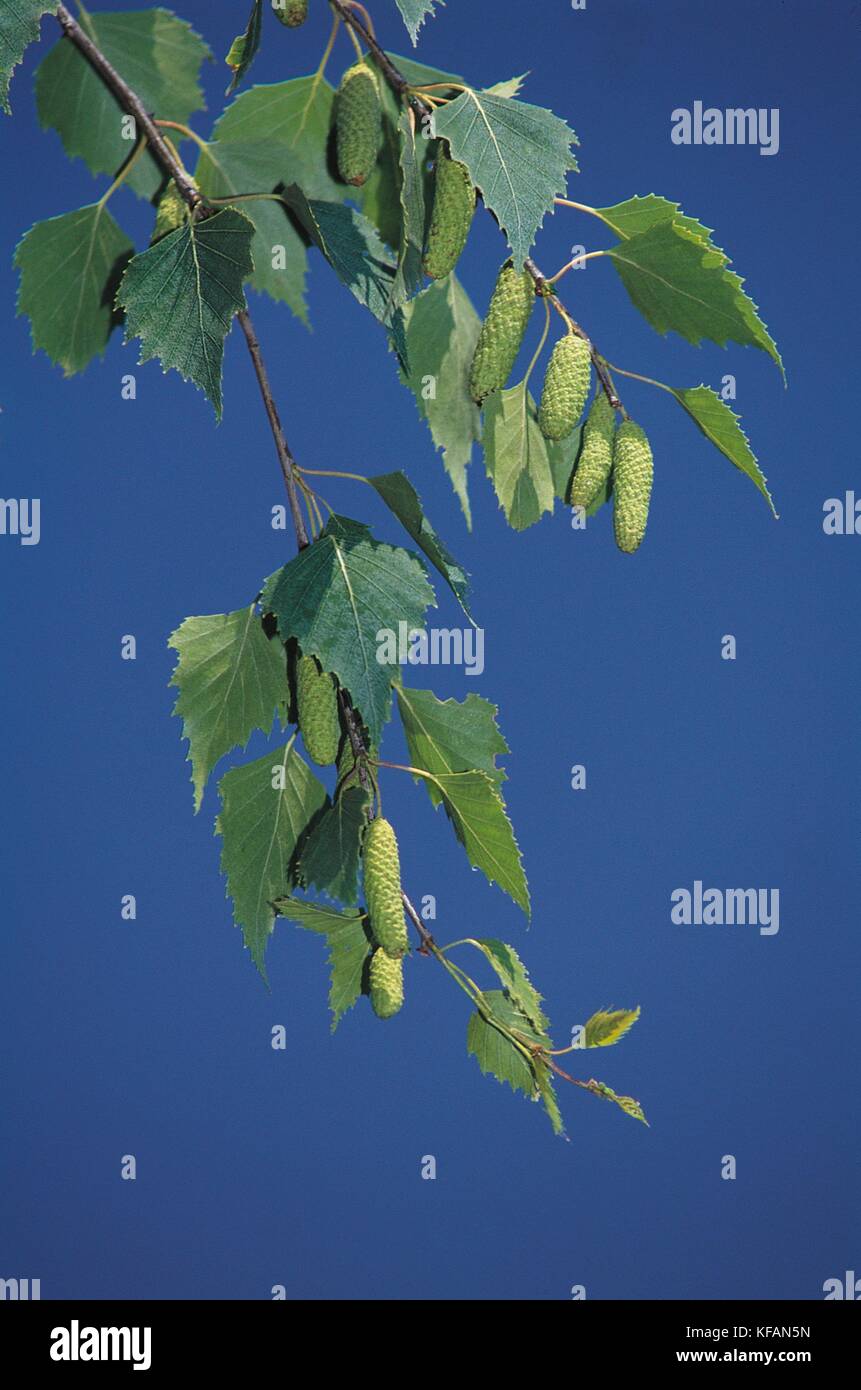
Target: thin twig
x=132, y=104
x=354, y=734
x=396, y=80
x=546, y=1057
x=285, y=458
x=169, y=161
x=543, y=287
x=428, y=946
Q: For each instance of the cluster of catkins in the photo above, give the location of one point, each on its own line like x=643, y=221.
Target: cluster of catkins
x=609, y=455
x=359, y=133
x=320, y=724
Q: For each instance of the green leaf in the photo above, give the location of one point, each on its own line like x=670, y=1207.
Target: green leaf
x=266, y=807
x=515, y=454
x=70, y=267
x=410, y=275
x=495, y=1053
x=721, y=425
x=451, y=736
x=631, y=1107
x=548, y=1096
x=638, y=214
x=510, y=88
x=627, y=1103
x=353, y=248
x=350, y=946
x=380, y=195
x=499, y=1056
x=515, y=981
x=680, y=282
x=334, y=598
x=607, y=1026
x=244, y=48
x=329, y=856
x=295, y=115
x=180, y=296
x=19, y=27
x=477, y=812
x=562, y=457
x=507, y=1012
x=157, y=54
x=517, y=155
x=401, y=498
x=231, y=681
x=442, y=331
x=421, y=74
x=414, y=13
x=231, y=167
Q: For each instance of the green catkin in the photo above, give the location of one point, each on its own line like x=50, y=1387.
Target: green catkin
x=383, y=888
x=171, y=212
x=359, y=124
x=566, y=387
x=317, y=707
x=386, y=978
x=291, y=12
x=453, y=211
x=502, y=332
x=632, y=485
x=596, y=453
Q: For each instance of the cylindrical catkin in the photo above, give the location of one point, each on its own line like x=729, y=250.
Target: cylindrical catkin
x=632, y=485
x=566, y=386
x=596, y=453
x=386, y=979
x=502, y=332
x=453, y=211
x=358, y=123
x=317, y=707
x=383, y=888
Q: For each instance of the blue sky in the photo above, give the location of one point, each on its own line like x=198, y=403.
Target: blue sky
x=303, y=1168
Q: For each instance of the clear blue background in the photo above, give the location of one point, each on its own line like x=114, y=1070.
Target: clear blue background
x=302, y=1167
